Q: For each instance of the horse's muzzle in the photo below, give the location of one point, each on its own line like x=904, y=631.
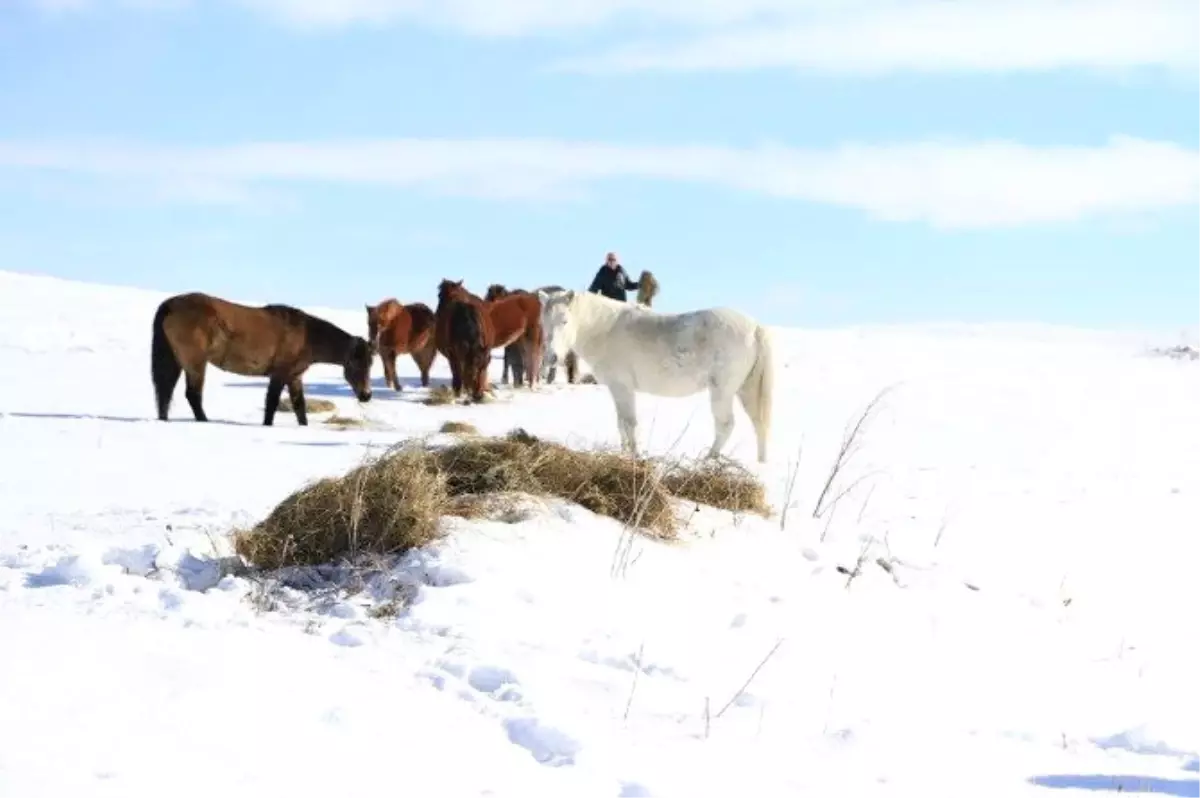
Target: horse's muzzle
x=364, y=397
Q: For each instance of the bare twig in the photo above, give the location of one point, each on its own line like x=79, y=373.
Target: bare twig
x=790, y=487
x=633, y=687
x=851, y=442
x=749, y=679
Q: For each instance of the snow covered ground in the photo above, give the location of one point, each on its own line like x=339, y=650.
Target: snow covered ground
x=1035, y=492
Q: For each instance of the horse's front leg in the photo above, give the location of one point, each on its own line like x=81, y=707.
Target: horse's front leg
x=389, y=370
x=299, y=407
x=625, y=401
x=274, y=390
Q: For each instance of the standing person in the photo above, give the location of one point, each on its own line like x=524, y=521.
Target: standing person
x=611, y=280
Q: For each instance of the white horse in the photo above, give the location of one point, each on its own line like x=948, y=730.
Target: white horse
x=633, y=349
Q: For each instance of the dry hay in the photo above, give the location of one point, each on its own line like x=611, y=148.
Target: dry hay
x=587, y=379
x=458, y=428
x=310, y=405
x=394, y=503
x=439, y=395
x=647, y=288
x=717, y=482
x=344, y=422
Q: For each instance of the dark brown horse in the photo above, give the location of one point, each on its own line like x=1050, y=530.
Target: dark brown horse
x=394, y=329
x=275, y=341
x=571, y=361
x=463, y=332
x=517, y=319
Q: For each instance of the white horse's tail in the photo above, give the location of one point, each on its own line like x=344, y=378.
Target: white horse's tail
x=757, y=392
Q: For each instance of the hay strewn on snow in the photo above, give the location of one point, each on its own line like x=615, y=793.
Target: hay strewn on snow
x=394, y=503
x=310, y=405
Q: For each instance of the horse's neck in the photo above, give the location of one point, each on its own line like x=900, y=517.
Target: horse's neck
x=329, y=344
x=596, y=318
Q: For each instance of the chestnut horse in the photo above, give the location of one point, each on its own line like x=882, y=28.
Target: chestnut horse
x=463, y=332
x=275, y=341
x=395, y=329
x=517, y=318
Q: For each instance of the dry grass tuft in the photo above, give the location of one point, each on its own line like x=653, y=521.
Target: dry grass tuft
x=311, y=405
x=384, y=507
x=459, y=428
x=718, y=482
x=439, y=395
x=587, y=379
x=344, y=421
x=394, y=503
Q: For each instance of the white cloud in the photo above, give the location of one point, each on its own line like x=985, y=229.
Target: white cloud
x=988, y=184
x=930, y=36
x=853, y=36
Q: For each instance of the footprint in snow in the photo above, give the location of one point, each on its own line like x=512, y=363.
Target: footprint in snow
x=496, y=682
x=546, y=744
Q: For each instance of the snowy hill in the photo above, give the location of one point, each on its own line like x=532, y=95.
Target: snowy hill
x=1033, y=492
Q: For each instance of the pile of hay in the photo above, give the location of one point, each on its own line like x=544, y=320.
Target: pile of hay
x=394, y=503
x=459, y=428
x=310, y=405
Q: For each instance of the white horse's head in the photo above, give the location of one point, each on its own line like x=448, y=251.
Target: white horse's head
x=558, y=321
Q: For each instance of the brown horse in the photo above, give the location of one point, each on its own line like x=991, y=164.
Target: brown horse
x=571, y=361
x=463, y=332
x=518, y=314
x=275, y=341
x=395, y=329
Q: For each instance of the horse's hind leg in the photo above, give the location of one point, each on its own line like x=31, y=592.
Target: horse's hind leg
x=274, y=389
x=722, y=411
x=194, y=390
x=455, y=373
x=299, y=406
x=424, y=359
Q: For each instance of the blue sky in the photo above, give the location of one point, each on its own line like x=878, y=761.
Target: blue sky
x=812, y=162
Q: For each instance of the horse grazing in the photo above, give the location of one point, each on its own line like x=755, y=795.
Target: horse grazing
x=394, y=329
x=634, y=349
x=571, y=361
x=517, y=313
x=275, y=341
x=464, y=333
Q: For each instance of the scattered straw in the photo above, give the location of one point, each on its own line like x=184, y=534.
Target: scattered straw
x=459, y=428
x=344, y=421
x=439, y=395
x=310, y=405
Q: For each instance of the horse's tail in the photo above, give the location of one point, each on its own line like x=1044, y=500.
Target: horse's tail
x=757, y=392
x=164, y=366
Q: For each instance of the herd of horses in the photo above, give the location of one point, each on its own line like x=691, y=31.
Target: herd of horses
x=630, y=348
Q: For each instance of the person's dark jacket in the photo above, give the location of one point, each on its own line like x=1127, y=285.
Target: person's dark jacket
x=612, y=283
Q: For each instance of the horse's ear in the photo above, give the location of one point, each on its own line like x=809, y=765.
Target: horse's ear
x=459, y=283
x=569, y=294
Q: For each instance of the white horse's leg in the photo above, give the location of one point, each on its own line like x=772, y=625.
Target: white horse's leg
x=625, y=401
x=721, y=400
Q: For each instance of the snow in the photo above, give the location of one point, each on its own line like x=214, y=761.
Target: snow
x=1034, y=493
